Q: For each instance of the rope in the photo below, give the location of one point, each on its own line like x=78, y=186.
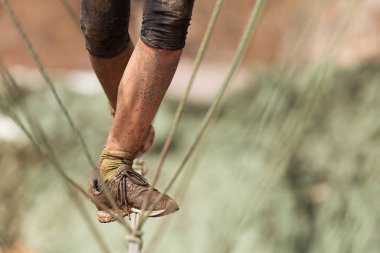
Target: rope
x=48, y=152
x=266, y=114
x=135, y=242
x=281, y=157
x=181, y=106
x=13, y=87
x=134, y=239
x=179, y=195
x=247, y=34
x=292, y=130
x=135, y=236
x=47, y=79
x=50, y=84
x=6, y=109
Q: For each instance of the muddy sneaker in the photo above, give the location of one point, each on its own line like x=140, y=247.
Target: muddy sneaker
x=127, y=187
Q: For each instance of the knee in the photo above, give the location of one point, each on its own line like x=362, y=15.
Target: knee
x=104, y=44
x=105, y=27
x=165, y=23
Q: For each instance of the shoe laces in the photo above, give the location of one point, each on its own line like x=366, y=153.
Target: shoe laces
x=124, y=173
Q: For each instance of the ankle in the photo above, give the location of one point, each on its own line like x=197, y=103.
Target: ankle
x=114, y=143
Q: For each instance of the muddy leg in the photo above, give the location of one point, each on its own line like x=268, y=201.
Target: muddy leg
x=109, y=72
x=105, y=28
x=142, y=88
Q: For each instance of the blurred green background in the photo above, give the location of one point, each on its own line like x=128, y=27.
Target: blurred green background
x=290, y=164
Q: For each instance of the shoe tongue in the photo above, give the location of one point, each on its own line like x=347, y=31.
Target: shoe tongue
x=135, y=177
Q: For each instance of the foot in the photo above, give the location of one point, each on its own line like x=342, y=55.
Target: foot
x=129, y=189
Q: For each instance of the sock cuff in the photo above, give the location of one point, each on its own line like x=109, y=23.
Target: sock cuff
x=118, y=154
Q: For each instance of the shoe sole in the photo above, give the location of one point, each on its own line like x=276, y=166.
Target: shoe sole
x=106, y=217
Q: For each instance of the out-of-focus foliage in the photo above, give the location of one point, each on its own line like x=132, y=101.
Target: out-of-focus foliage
x=290, y=166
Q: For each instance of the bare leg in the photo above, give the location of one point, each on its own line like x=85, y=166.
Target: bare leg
x=104, y=24
x=109, y=72
x=143, y=84
x=141, y=90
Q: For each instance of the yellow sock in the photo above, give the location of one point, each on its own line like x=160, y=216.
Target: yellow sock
x=111, y=160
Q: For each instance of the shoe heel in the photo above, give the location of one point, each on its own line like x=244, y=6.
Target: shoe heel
x=105, y=217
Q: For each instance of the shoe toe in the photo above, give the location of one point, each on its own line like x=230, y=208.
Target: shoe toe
x=165, y=206
x=171, y=206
